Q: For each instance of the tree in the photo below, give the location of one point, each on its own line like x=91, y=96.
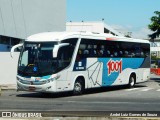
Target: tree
x=155, y=26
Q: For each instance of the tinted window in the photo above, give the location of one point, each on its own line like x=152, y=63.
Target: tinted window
x=103, y=48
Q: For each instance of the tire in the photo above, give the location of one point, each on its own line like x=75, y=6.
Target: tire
x=78, y=87
x=132, y=81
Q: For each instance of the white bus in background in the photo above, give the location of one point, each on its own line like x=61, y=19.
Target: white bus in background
x=75, y=61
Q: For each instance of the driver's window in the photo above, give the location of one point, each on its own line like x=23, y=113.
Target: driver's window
x=24, y=58
x=65, y=53
x=64, y=56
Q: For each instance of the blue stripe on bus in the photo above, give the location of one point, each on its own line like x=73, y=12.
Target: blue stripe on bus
x=109, y=79
x=46, y=77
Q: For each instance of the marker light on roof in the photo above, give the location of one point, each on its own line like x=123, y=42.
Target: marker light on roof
x=110, y=38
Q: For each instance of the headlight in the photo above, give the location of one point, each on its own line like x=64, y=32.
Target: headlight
x=18, y=79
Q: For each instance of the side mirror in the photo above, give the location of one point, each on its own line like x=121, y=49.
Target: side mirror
x=14, y=47
x=56, y=48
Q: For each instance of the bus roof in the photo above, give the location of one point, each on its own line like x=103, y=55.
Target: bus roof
x=58, y=36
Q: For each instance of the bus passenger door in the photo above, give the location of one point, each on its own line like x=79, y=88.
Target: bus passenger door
x=64, y=59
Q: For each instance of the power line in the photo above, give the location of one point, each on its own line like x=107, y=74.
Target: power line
x=14, y=19
x=23, y=18
x=2, y=18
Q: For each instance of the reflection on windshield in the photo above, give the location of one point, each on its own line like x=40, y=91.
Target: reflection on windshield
x=36, y=59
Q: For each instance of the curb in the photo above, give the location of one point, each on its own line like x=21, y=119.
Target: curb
x=0, y=91
x=8, y=87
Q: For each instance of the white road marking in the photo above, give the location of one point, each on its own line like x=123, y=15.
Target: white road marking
x=132, y=89
x=109, y=102
x=158, y=90
x=141, y=89
x=146, y=89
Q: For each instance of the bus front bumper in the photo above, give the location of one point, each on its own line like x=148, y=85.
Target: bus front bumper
x=48, y=87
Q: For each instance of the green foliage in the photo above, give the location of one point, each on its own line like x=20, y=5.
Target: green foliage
x=155, y=25
x=154, y=58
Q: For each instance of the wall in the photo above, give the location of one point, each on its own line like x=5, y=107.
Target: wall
x=8, y=68
x=3, y=47
x=155, y=49
x=22, y=18
x=85, y=26
x=91, y=27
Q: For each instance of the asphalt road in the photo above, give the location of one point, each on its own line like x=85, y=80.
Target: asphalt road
x=144, y=97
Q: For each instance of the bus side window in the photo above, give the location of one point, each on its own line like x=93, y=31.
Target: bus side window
x=95, y=49
x=117, y=49
x=102, y=49
x=115, y=54
x=86, y=52
x=83, y=48
x=125, y=53
x=120, y=53
x=80, y=53
x=91, y=50
x=108, y=53
x=127, y=49
x=145, y=49
x=64, y=56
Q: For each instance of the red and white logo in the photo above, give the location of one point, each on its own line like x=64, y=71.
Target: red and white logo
x=114, y=66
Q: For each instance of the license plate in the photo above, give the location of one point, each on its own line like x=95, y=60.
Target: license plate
x=31, y=88
x=28, y=79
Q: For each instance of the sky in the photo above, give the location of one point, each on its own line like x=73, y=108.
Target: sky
x=122, y=15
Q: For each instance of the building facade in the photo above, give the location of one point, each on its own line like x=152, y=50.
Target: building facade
x=22, y=18
x=155, y=47
x=99, y=27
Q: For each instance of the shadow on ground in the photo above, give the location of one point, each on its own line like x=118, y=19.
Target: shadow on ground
x=157, y=80
x=69, y=94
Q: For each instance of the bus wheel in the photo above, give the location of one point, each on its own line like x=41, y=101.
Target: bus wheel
x=78, y=87
x=132, y=81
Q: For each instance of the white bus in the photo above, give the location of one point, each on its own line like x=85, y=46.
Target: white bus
x=75, y=61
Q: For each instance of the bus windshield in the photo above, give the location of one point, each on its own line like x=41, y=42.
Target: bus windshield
x=36, y=59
